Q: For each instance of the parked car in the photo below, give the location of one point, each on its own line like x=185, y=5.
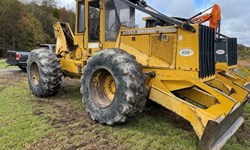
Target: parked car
x=19, y=58
x=51, y=47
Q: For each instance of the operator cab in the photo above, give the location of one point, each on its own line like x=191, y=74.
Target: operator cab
x=117, y=14
x=106, y=17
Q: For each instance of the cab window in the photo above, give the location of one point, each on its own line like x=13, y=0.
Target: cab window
x=81, y=22
x=94, y=20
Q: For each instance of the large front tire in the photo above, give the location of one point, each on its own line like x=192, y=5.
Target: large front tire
x=113, y=86
x=44, y=73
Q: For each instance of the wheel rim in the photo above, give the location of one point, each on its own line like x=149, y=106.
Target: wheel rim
x=34, y=72
x=102, y=88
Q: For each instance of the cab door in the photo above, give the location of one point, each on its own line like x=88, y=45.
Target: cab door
x=93, y=25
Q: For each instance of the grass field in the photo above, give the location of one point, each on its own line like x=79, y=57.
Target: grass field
x=60, y=122
x=3, y=64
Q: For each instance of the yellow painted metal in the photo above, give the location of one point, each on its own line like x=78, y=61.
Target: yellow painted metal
x=142, y=58
x=238, y=93
x=103, y=88
x=232, y=74
x=35, y=74
x=134, y=40
x=72, y=68
x=197, y=116
x=177, y=85
x=61, y=44
x=220, y=85
x=188, y=41
x=202, y=98
x=233, y=81
x=164, y=47
x=109, y=87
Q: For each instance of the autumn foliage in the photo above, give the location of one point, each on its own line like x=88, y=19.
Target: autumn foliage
x=24, y=26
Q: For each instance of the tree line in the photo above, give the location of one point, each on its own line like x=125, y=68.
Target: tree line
x=24, y=26
x=243, y=51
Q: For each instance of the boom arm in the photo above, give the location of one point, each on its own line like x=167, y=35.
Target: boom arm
x=142, y=6
x=214, y=18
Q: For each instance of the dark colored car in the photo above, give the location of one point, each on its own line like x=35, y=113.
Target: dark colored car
x=19, y=58
x=51, y=47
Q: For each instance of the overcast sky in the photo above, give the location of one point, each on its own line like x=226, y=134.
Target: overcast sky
x=235, y=13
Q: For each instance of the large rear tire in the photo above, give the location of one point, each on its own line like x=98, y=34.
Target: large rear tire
x=113, y=86
x=44, y=73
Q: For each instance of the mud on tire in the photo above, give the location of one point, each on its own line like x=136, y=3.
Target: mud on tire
x=108, y=70
x=44, y=73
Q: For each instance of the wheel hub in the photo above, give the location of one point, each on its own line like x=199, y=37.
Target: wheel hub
x=109, y=88
x=103, y=88
x=34, y=71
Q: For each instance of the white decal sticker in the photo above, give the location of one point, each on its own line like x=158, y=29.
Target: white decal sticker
x=94, y=45
x=220, y=52
x=186, y=52
x=180, y=38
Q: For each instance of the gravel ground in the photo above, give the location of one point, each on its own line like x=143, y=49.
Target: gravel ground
x=10, y=71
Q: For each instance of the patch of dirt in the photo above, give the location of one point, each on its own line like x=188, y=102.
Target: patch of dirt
x=154, y=109
x=10, y=77
x=12, y=74
x=71, y=122
x=74, y=122
x=244, y=62
x=9, y=71
x=243, y=133
x=80, y=132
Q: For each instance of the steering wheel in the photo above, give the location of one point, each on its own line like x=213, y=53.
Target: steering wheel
x=114, y=27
